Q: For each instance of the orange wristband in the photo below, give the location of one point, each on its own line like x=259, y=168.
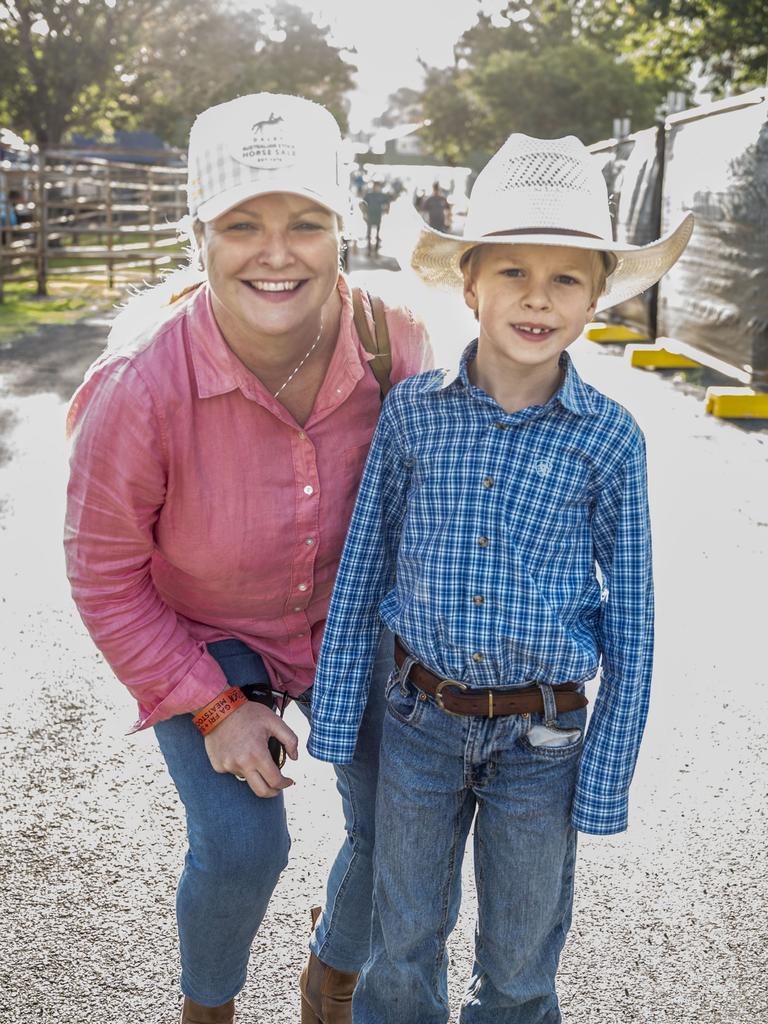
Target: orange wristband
x=212, y=714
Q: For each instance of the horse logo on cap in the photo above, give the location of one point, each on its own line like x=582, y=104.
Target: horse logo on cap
x=258, y=127
x=267, y=145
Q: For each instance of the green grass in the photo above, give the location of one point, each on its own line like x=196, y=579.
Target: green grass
x=22, y=310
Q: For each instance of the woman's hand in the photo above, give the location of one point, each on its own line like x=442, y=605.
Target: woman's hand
x=239, y=745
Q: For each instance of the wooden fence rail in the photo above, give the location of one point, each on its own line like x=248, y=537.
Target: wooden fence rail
x=96, y=218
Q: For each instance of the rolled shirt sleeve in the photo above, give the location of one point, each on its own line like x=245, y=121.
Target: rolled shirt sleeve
x=117, y=486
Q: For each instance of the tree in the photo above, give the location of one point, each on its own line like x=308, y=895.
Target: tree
x=531, y=69
x=57, y=59
x=724, y=41
x=219, y=54
x=99, y=64
x=520, y=26
x=403, y=106
x=193, y=61
x=551, y=67
x=577, y=89
x=295, y=56
x=459, y=127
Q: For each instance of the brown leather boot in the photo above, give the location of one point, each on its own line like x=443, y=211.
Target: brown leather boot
x=326, y=994
x=194, y=1013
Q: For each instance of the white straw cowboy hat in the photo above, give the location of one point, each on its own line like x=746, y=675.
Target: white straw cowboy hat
x=263, y=143
x=547, y=192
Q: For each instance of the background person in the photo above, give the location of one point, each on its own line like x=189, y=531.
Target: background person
x=375, y=205
x=437, y=209
x=215, y=460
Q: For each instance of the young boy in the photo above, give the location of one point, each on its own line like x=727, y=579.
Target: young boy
x=486, y=505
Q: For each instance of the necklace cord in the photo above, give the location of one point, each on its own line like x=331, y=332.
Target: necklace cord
x=306, y=356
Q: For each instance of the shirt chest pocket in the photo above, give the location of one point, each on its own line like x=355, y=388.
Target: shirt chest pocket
x=555, y=517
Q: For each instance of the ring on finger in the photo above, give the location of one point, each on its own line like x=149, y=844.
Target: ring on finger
x=241, y=778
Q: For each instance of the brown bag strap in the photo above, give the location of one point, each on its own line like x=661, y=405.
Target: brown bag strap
x=377, y=343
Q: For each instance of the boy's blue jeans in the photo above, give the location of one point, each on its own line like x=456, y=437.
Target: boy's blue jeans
x=239, y=843
x=438, y=772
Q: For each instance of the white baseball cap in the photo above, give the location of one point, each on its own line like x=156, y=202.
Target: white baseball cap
x=264, y=143
x=547, y=192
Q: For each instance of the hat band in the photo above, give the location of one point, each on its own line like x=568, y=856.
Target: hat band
x=545, y=231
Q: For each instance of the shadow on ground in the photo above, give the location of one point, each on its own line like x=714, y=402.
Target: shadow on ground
x=52, y=359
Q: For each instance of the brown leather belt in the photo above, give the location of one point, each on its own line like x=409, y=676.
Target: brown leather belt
x=458, y=699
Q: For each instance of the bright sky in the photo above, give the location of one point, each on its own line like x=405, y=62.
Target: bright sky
x=389, y=35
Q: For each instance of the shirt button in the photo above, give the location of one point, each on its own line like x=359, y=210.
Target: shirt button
x=483, y=542
x=297, y=608
x=487, y=481
x=309, y=489
x=299, y=635
x=500, y=426
x=477, y=656
x=478, y=599
x=302, y=586
x=310, y=541
x=302, y=435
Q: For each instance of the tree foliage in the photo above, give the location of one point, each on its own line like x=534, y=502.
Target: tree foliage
x=532, y=69
x=57, y=60
x=92, y=65
x=224, y=53
x=556, y=67
x=403, y=106
x=724, y=41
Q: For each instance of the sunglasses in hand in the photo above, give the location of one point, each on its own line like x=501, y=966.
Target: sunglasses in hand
x=262, y=693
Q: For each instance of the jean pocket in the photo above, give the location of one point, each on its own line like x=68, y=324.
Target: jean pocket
x=553, y=742
x=238, y=662
x=404, y=702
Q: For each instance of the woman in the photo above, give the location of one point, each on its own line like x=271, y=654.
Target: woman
x=215, y=462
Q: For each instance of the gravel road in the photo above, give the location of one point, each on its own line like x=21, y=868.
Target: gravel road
x=671, y=917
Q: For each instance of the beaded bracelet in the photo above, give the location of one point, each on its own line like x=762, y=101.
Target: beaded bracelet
x=217, y=710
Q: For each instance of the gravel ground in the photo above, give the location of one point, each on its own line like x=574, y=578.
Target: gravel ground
x=670, y=918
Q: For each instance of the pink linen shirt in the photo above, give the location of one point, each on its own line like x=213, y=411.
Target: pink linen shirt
x=198, y=509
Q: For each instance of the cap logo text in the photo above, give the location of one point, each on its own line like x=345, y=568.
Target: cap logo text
x=267, y=145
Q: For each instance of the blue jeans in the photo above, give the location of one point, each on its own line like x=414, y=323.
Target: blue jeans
x=239, y=843
x=438, y=773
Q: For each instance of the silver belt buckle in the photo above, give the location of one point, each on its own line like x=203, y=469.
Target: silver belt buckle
x=439, y=694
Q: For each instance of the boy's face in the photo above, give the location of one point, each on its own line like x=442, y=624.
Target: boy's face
x=532, y=301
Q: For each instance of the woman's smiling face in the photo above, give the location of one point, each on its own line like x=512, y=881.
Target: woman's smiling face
x=272, y=263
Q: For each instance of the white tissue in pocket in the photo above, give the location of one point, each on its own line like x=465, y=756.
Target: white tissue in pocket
x=543, y=736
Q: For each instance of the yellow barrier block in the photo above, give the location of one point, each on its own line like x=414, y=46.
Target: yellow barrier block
x=612, y=333
x=737, y=403
x=659, y=359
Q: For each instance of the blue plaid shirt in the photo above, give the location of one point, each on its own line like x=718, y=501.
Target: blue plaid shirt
x=475, y=539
